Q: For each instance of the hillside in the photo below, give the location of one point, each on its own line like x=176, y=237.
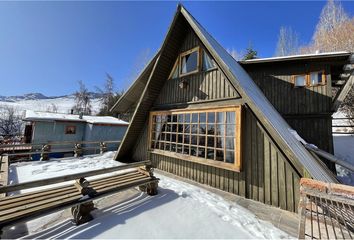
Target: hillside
x=40, y=102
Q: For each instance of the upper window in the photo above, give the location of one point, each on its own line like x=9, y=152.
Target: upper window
x=209, y=137
x=309, y=79
x=300, y=80
x=70, y=130
x=189, y=61
x=317, y=78
x=208, y=62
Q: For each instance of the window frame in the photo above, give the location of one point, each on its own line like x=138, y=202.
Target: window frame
x=70, y=133
x=195, y=49
x=308, y=79
x=236, y=166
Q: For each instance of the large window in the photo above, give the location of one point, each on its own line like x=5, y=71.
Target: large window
x=189, y=61
x=209, y=137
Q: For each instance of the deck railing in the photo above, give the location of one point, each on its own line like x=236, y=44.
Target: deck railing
x=77, y=148
x=326, y=210
x=343, y=125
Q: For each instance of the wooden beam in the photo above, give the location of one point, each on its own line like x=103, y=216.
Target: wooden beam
x=37, y=183
x=343, y=93
x=4, y=166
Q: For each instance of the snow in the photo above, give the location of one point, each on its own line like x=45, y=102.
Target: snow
x=344, y=149
x=294, y=57
x=180, y=210
x=64, y=104
x=37, y=115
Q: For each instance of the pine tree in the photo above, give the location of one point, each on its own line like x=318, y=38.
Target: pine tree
x=250, y=53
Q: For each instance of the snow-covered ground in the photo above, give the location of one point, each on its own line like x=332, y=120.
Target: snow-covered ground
x=180, y=210
x=63, y=104
x=344, y=149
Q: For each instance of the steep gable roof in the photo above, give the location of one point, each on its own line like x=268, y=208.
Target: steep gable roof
x=277, y=127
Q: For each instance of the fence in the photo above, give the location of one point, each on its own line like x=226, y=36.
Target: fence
x=343, y=125
x=43, y=151
x=326, y=210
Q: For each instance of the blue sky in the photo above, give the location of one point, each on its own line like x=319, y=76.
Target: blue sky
x=48, y=47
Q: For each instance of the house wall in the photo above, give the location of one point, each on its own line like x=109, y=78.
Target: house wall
x=94, y=132
x=307, y=109
x=266, y=175
x=55, y=132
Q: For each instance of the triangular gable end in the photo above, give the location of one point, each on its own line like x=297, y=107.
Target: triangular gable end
x=279, y=130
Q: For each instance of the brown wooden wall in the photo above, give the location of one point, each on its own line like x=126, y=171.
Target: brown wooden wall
x=266, y=175
x=275, y=82
x=202, y=86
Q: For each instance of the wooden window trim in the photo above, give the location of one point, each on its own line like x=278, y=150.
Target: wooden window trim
x=308, y=79
x=173, y=70
x=236, y=166
x=196, y=49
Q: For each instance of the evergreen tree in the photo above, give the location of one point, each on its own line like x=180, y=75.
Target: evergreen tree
x=250, y=53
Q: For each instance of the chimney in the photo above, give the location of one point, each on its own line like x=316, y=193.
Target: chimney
x=72, y=111
x=81, y=115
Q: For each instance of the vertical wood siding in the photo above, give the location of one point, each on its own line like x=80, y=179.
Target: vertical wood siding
x=276, y=83
x=266, y=175
x=202, y=86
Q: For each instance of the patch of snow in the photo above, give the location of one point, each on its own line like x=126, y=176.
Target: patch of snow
x=344, y=149
x=38, y=115
x=180, y=210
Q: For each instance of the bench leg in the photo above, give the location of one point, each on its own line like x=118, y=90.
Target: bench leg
x=81, y=213
x=149, y=188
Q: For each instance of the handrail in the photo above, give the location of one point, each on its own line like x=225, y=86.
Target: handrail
x=329, y=156
x=55, y=143
x=49, y=181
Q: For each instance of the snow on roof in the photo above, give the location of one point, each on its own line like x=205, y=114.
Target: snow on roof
x=297, y=57
x=47, y=116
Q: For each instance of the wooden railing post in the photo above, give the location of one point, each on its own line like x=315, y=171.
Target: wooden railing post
x=44, y=152
x=78, y=150
x=149, y=188
x=103, y=147
x=82, y=212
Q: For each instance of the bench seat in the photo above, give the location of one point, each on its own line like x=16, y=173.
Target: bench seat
x=25, y=206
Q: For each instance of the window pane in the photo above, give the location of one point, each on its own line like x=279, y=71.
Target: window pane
x=220, y=142
x=211, y=141
x=194, y=117
x=179, y=148
x=300, y=80
x=173, y=138
x=220, y=117
x=194, y=140
x=180, y=138
x=194, y=151
x=210, y=153
x=186, y=139
x=189, y=62
x=187, y=129
x=202, y=129
x=202, y=117
x=230, y=157
x=185, y=149
x=316, y=78
x=208, y=63
x=211, y=117
x=211, y=129
x=201, y=140
x=180, y=118
x=187, y=118
x=167, y=146
x=194, y=128
x=201, y=152
x=174, y=118
x=230, y=117
x=230, y=143
x=220, y=129
x=219, y=156
x=180, y=128
x=230, y=130
x=173, y=147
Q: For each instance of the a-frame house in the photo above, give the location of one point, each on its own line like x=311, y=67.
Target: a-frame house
x=197, y=113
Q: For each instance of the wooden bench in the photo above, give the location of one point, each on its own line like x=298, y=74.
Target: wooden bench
x=78, y=195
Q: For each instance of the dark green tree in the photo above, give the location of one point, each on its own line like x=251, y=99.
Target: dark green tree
x=250, y=53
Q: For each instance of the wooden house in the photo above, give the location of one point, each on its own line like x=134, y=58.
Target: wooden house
x=198, y=113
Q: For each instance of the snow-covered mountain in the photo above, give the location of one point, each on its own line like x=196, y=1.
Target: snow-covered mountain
x=40, y=102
